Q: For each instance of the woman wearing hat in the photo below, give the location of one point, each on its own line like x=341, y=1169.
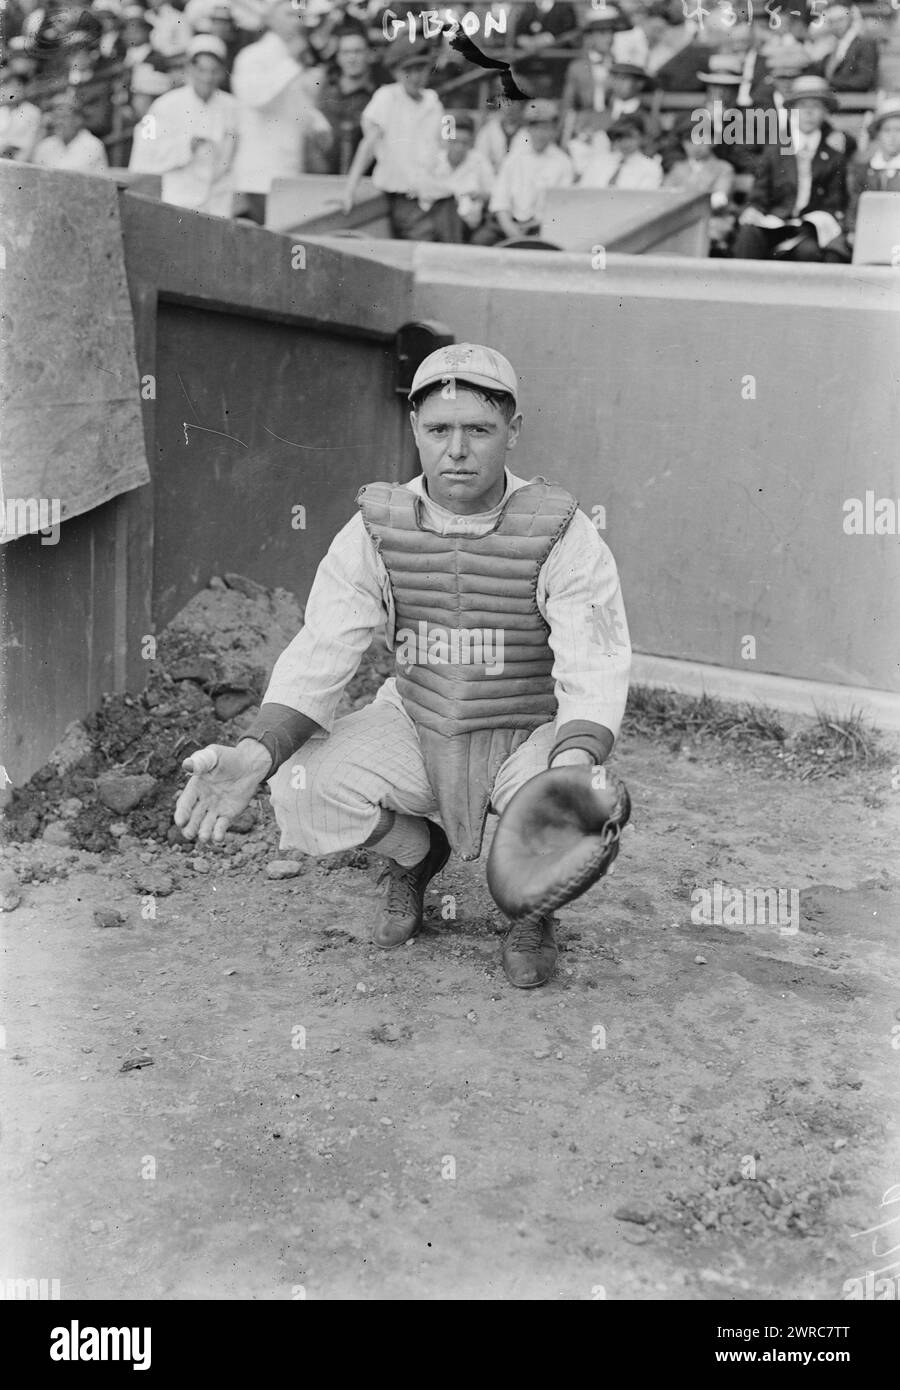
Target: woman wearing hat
x=799, y=195
x=189, y=135
x=880, y=171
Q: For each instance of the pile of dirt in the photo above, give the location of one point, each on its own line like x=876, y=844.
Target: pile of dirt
x=115, y=777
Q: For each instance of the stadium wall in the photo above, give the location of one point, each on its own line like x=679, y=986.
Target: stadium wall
x=713, y=417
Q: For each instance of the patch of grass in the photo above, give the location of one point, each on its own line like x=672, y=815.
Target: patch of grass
x=833, y=743
x=828, y=746
x=654, y=710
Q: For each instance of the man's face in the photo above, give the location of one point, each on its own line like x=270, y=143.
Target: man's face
x=81, y=64
x=696, y=149
x=539, y=134
x=463, y=443
x=655, y=27
x=623, y=86
x=66, y=122
x=889, y=137
x=810, y=114
x=736, y=39
x=459, y=147
x=353, y=56
x=285, y=21
x=414, y=81
x=837, y=20
x=205, y=75
x=12, y=90
x=222, y=26
x=136, y=33
x=626, y=145
x=726, y=95
x=599, y=41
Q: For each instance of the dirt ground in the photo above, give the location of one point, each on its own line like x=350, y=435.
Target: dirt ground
x=240, y=1097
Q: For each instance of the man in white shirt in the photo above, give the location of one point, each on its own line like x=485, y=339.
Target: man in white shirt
x=278, y=117
x=494, y=139
x=463, y=172
x=623, y=165
x=534, y=165
x=20, y=120
x=473, y=713
x=402, y=132
x=189, y=135
x=70, y=146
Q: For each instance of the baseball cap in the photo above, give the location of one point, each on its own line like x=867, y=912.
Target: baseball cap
x=468, y=362
x=540, y=111
x=208, y=44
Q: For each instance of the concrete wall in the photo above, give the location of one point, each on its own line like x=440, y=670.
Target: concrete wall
x=268, y=383
x=724, y=513
x=274, y=387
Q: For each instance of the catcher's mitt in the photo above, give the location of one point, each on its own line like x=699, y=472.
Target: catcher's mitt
x=557, y=836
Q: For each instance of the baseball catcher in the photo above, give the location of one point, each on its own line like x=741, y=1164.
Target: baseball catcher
x=503, y=607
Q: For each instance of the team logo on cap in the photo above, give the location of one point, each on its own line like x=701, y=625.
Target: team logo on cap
x=458, y=357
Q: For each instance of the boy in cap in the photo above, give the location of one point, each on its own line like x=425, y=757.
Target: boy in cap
x=494, y=139
x=464, y=173
x=190, y=135
x=535, y=163
x=624, y=165
x=627, y=95
x=503, y=606
x=402, y=132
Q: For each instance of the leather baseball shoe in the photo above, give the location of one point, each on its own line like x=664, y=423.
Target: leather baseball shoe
x=530, y=952
x=403, y=909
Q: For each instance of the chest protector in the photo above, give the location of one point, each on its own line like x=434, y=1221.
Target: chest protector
x=474, y=666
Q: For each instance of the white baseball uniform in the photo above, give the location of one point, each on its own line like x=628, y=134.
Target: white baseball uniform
x=329, y=795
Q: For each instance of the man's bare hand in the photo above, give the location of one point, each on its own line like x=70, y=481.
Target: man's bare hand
x=223, y=783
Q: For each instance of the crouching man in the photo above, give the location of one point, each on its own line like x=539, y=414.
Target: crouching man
x=504, y=610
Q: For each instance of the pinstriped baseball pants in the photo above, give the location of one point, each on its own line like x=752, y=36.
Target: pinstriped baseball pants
x=330, y=795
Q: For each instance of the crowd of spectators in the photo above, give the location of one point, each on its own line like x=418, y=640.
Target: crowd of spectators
x=220, y=97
